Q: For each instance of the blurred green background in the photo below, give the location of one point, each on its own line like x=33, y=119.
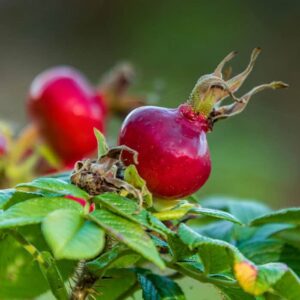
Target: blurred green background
x=172, y=43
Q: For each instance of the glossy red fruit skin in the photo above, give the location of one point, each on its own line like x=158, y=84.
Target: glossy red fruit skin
x=173, y=153
x=3, y=145
x=66, y=108
x=81, y=201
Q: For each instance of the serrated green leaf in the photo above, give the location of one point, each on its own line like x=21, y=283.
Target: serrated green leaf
x=179, y=250
x=70, y=236
x=33, y=211
x=132, y=176
x=217, y=214
x=127, y=232
x=271, y=250
x=120, y=205
x=177, y=212
x=184, y=207
x=56, y=186
x=221, y=230
x=129, y=209
x=157, y=287
x=288, y=215
x=257, y=280
x=244, y=210
x=218, y=255
x=101, y=142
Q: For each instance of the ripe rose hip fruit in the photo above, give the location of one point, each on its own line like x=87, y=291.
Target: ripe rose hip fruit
x=66, y=108
x=172, y=148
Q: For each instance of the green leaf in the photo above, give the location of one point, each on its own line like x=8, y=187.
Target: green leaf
x=184, y=207
x=115, y=284
x=101, y=142
x=127, y=232
x=244, y=210
x=235, y=293
x=5, y=196
x=157, y=287
x=267, y=230
x=219, y=256
x=271, y=250
x=288, y=215
x=99, y=265
x=129, y=209
x=179, y=250
x=132, y=176
x=126, y=261
x=64, y=176
x=53, y=276
x=20, y=196
x=221, y=230
x=290, y=236
x=19, y=272
x=288, y=286
x=269, y=277
x=33, y=211
x=217, y=214
x=120, y=205
x=70, y=236
x=56, y=186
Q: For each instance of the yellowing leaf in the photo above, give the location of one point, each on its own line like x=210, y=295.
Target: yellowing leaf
x=246, y=275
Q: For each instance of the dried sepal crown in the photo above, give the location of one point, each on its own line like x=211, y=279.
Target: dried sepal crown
x=211, y=89
x=106, y=174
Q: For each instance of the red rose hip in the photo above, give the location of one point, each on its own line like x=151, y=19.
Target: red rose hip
x=173, y=152
x=173, y=155
x=66, y=108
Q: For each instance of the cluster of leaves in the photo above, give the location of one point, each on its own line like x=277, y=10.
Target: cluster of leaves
x=243, y=248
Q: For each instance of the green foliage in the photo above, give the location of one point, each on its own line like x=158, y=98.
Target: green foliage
x=158, y=287
x=288, y=215
x=129, y=233
x=101, y=142
x=132, y=176
x=77, y=238
x=55, y=185
x=33, y=211
x=244, y=249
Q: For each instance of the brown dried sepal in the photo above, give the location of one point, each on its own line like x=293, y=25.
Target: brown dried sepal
x=212, y=89
x=105, y=174
x=114, y=86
